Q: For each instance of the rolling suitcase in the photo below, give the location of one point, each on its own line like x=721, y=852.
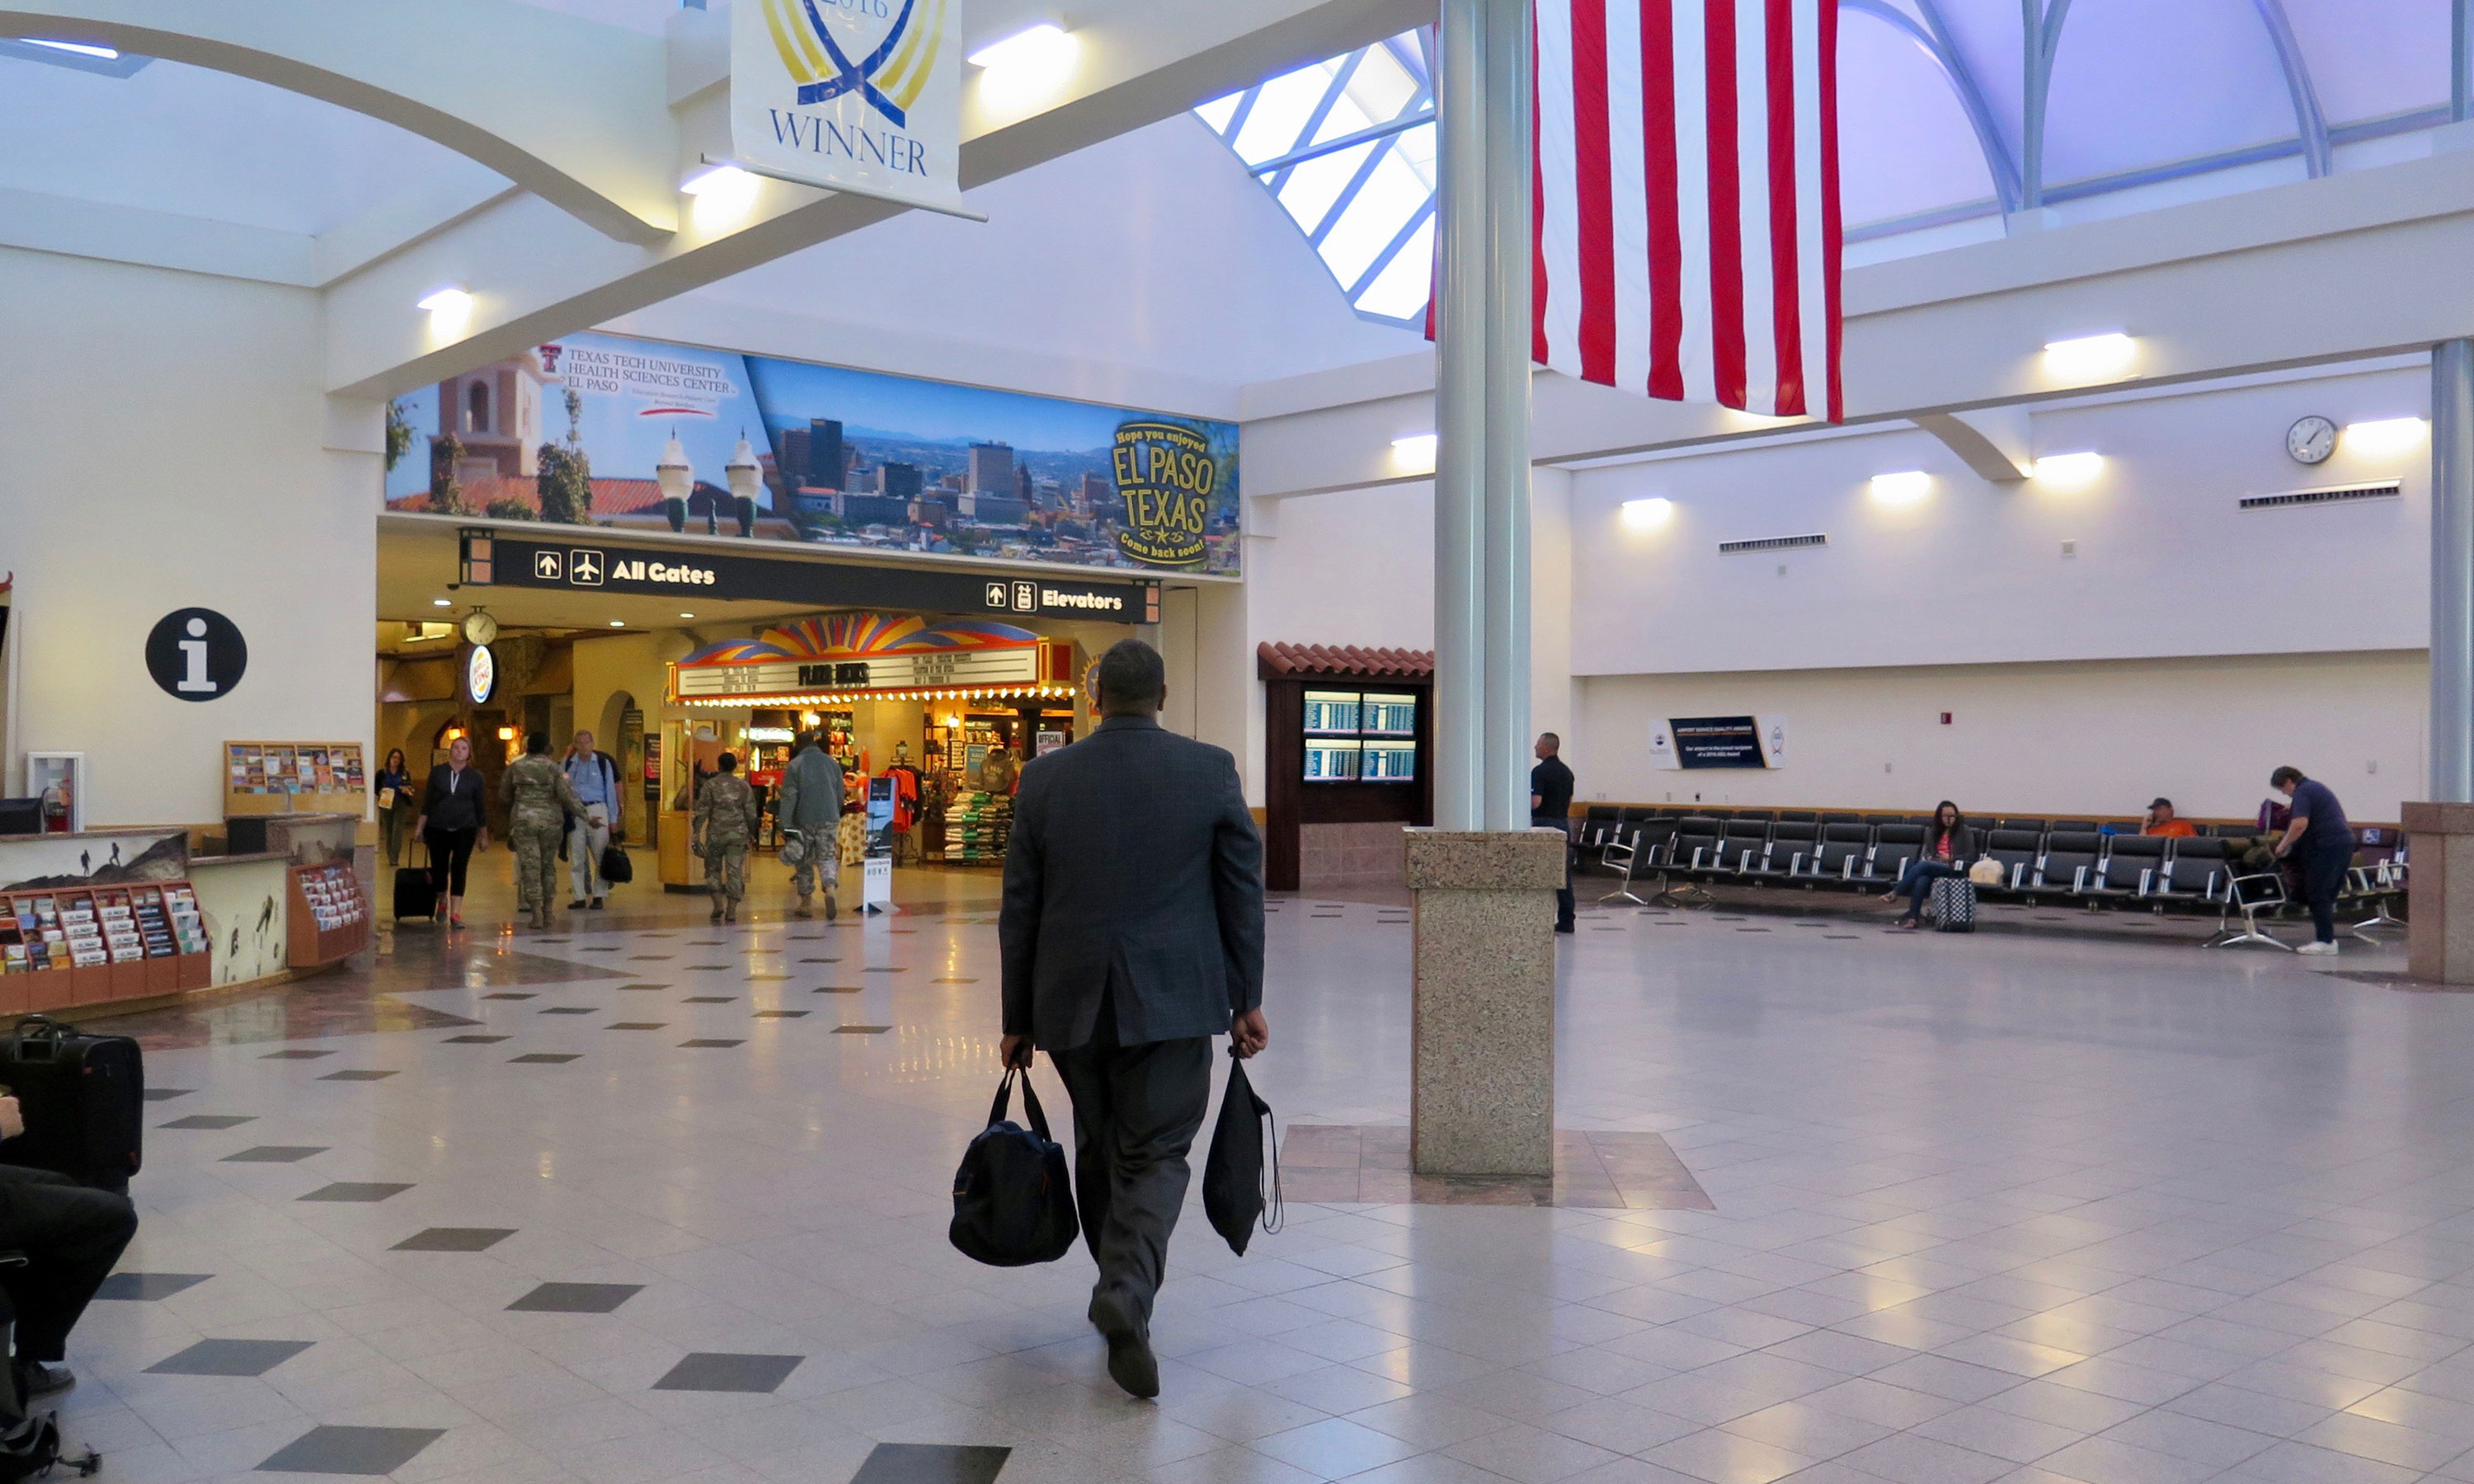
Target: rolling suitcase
x=415, y=891
x=1953, y=905
x=84, y=1099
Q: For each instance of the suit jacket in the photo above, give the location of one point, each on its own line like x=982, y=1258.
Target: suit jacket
x=1133, y=872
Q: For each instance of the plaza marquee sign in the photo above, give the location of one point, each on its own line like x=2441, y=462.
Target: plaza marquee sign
x=850, y=653
x=852, y=95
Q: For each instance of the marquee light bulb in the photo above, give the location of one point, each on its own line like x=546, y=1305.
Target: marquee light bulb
x=2068, y=468
x=2383, y=436
x=2090, y=357
x=1648, y=515
x=1904, y=487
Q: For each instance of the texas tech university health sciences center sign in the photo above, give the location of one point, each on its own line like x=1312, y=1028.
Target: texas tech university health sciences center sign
x=636, y=571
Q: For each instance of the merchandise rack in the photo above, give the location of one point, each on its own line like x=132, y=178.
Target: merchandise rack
x=329, y=916
x=90, y=945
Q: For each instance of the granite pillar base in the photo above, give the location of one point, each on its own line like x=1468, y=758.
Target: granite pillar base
x=2439, y=892
x=1481, y=1073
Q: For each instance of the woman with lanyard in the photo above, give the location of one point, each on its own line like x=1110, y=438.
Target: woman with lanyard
x=454, y=821
x=395, y=804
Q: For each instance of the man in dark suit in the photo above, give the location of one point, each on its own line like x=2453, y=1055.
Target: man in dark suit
x=1131, y=934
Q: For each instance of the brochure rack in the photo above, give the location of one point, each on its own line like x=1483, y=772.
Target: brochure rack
x=329, y=916
x=87, y=944
x=284, y=777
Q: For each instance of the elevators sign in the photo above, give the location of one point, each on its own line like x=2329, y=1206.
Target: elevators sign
x=863, y=96
x=1165, y=474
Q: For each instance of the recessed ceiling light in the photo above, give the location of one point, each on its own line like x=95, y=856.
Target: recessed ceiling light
x=440, y=603
x=686, y=616
x=617, y=623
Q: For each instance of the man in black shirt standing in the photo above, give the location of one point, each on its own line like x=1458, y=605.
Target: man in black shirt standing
x=1550, y=807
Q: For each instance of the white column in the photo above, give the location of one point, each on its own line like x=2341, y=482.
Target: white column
x=2452, y=572
x=1505, y=787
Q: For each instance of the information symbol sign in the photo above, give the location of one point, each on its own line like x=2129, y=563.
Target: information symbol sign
x=196, y=653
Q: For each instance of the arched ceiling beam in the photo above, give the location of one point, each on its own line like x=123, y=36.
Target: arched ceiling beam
x=575, y=111
x=1932, y=37
x=2308, y=120
x=2040, y=36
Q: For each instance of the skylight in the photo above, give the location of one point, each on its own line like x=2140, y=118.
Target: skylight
x=1347, y=147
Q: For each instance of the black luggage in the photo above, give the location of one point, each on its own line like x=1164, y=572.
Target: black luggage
x=616, y=868
x=84, y=1099
x=1014, y=1201
x=416, y=890
x=1234, y=1195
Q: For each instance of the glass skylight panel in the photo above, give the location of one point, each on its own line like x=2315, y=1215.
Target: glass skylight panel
x=1361, y=206
x=1281, y=112
x=1400, y=292
x=1314, y=186
x=1217, y=112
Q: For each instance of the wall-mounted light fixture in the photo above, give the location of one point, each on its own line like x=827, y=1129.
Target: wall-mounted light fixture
x=1026, y=66
x=1904, y=487
x=2090, y=357
x=1648, y=515
x=451, y=311
x=2383, y=437
x=2068, y=468
x=723, y=195
x=1414, y=454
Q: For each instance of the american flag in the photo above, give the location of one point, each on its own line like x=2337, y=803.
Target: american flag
x=1686, y=210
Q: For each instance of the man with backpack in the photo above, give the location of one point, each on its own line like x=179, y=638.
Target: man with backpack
x=812, y=804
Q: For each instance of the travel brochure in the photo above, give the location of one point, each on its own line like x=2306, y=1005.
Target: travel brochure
x=293, y=768
x=90, y=929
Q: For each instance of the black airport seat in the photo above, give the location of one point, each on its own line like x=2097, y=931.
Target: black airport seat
x=2132, y=866
x=1599, y=825
x=2018, y=852
x=1790, y=850
x=1765, y=816
x=1694, y=848
x=1893, y=846
x=2195, y=871
x=1842, y=853
x=1742, y=844
x=2073, y=827
x=1798, y=817
x=2069, y=861
x=1886, y=818
x=2032, y=827
x=1842, y=819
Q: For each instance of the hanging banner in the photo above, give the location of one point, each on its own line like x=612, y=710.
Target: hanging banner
x=850, y=95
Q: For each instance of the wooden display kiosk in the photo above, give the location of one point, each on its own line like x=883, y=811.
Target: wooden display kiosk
x=1348, y=763
x=328, y=918
x=94, y=945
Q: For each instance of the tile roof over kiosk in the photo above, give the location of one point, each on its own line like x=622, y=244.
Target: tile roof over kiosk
x=1340, y=661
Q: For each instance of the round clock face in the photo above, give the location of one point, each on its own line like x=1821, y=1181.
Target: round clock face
x=481, y=673
x=480, y=627
x=2311, y=440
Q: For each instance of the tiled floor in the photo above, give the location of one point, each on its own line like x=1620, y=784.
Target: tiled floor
x=2001, y=1207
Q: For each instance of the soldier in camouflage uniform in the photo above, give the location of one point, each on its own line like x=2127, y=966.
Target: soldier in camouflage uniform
x=725, y=823
x=538, y=802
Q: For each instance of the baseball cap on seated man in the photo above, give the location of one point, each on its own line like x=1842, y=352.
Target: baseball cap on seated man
x=2160, y=803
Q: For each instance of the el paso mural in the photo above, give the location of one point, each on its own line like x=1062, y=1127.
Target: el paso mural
x=611, y=431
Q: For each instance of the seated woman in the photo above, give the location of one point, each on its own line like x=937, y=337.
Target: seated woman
x=1949, y=844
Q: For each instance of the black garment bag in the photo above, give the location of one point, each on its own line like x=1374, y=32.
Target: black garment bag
x=1234, y=1195
x=1013, y=1200
x=84, y=1098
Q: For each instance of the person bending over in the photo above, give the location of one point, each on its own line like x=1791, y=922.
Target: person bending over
x=1949, y=844
x=2317, y=839
x=71, y=1236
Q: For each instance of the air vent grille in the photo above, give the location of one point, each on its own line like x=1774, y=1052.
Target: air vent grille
x=1774, y=543
x=2334, y=495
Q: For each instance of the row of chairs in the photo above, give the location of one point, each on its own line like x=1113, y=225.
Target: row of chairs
x=1602, y=819
x=1688, y=853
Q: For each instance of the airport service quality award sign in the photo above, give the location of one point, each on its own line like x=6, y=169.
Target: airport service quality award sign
x=853, y=95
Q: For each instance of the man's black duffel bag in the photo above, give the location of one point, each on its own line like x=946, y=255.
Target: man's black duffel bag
x=1014, y=1201
x=84, y=1098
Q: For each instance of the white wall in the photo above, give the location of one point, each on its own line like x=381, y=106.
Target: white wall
x=2166, y=564
x=2069, y=738
x=164, y=445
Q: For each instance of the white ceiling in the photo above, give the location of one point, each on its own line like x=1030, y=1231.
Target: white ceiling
x=1154, y=249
